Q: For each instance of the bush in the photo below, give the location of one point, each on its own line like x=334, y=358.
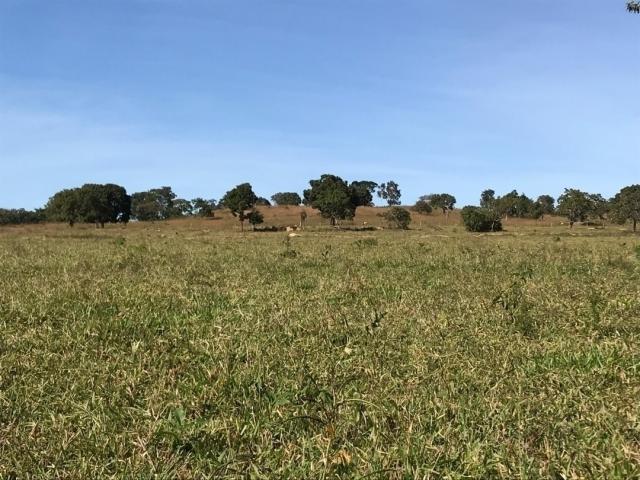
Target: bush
x=478, y=219
x=398, y=218
x=423, y=207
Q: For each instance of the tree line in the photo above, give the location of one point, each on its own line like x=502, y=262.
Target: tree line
x=335, y=198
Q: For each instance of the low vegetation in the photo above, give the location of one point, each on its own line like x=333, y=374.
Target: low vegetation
x=169, y=350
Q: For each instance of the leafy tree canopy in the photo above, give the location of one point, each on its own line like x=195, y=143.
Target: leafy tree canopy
x=240, y=201
x=625, y=206
x=335, y=199
x=390, y=191
x=286, y=198
x=443, y=201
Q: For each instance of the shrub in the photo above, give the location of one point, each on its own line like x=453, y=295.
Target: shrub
x=478, y=219
x=398, y=218
x=423, y=207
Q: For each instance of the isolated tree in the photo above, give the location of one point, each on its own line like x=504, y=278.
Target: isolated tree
x=625, y=206
x=423, y=207
x=363, y=192
x=390, y=192
x=286, y=198
x=202, y=207
x=398, y=217
x=332, y=196
x=487, y=198
x=240, y=201
x=443, y=201
x=547, y=204
x=633, y=6
x=575, y=205
x=64, y=206
x=255, y=218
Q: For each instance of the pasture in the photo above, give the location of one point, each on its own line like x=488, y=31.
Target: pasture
x=187, y=350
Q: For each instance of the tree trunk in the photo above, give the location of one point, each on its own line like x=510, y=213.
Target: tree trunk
x=635, y=225
x=242, y=225
x=333, y=221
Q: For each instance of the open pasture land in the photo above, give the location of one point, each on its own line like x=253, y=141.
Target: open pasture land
x=183, y=351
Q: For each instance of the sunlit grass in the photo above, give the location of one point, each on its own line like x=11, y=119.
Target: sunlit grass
x=186, y=353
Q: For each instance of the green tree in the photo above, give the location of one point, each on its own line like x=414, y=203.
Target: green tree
x=363, y=192
x=398, y=217
x=102, y=204
x=286, y=198
x=154, y=204
x=390, y=191
x=633, y=6
x=422, y=207
x=240, y=201
x=255, y=218
x=517, y=205
x=547, y=204
x=181, y=208
x=203, y=208
x=625, y=206
x=487, y=198
x=64, y=206
x=478, y=219
x=443, y=201
x=575, y=205
x=93, y=203
x=332, y=196
x=263, y=202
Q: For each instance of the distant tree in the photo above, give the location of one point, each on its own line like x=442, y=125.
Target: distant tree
x=390, y=191
x=477, y=219
x=600, y=206
x=203, y=208
x=517, y=205
x=240, y=201
x=181, y=208
x=255, y=218
x=102, y=204
x=92, y=203
x=286, y=198
x=20, y=216
x=263, y=202
x=625, y=206
x=398, y=217
x=633, y=6
x=443, y=201
x=575, y=205
x=547, y=204
x=423, y=207
x=363, y=192
x=154, y=204
x=332, y=196
x=487, y=198
x=64, y=206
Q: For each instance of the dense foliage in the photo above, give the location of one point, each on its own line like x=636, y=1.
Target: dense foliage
x=398, y=217
x=478, y=219
x=286, y=198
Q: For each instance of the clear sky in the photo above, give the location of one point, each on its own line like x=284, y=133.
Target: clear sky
x=441, y=96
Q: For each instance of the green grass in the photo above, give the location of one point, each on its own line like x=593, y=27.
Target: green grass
x=192, y=354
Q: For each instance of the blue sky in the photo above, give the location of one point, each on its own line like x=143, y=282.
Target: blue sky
x=454, y=96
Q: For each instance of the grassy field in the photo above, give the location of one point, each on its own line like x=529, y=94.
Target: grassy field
x=188, y=350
